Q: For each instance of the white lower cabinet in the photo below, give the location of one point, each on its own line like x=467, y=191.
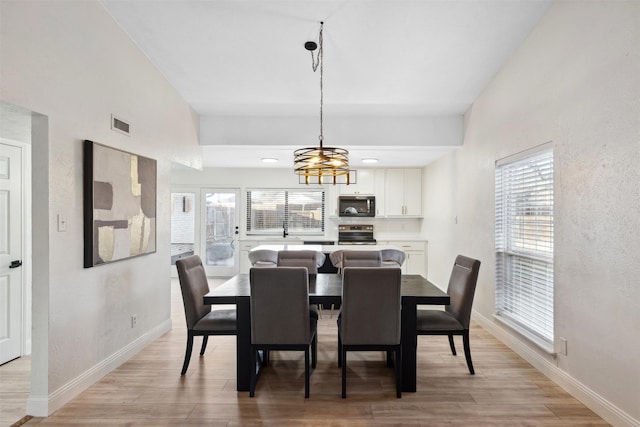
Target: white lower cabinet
x=416, y=252
x=245, y=248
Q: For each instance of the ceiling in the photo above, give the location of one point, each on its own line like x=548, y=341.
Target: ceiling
x=390, y=68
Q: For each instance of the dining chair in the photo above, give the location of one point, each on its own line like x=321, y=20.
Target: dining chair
x=361, y=258
x=366, y=291
x=280, y=319
x=263, y=258
x=336, y=259
x=392, y=257
x=201, y=320
x=312, y=260
x=301, y=258
x=456, y=317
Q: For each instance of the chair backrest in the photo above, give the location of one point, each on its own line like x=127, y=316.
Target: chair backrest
x=462, y=287
x=279, y=305
x=300, y=258
x=370, y=305
x=392, y=256
x=361, y=259
x=194, y=285
x=336, y=258
x=263, y=258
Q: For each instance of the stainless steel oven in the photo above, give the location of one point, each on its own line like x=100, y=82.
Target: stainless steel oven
x=356, y=234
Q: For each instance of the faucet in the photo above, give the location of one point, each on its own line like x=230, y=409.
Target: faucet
x=284, y=229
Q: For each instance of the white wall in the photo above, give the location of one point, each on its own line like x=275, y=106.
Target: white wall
x=574, y=82
x=72, y=63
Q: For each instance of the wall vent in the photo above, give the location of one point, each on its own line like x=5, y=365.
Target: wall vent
x=119, y=125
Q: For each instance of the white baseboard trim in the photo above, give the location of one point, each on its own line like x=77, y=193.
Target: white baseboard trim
x=592, y=400
x=43, y=406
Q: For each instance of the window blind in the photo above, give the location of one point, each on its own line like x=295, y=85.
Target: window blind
x=524, y=243
x=298, y=212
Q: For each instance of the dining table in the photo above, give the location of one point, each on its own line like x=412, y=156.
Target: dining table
x=326, y=289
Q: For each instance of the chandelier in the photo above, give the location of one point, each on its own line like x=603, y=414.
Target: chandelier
x=316, y=163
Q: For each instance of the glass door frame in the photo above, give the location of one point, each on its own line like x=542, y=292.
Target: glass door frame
x=219, y=271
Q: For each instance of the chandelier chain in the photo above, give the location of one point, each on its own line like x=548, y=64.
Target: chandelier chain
x=315, y=62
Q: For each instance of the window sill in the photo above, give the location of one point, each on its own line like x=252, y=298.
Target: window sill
x=532, y=338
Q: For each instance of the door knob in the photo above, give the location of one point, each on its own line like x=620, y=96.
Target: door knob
x=15, y=264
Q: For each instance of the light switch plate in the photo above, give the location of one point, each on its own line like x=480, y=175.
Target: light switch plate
x=62, y=223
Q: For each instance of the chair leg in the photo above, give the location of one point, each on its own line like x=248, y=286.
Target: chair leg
x=398, y=362
x=467, y=351
x=314, y=351
x=265, y=357
x=187, y=355
x=343, y=357
x=389, y=359
x=452, y=345
x=339, y=350
x=252, y=381
x=306, y=372
x=205, y=338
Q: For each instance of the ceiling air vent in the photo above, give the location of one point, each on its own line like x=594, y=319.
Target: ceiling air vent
x=119, y=125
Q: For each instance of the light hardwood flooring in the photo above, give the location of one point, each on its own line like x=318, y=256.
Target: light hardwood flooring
x=149, y=391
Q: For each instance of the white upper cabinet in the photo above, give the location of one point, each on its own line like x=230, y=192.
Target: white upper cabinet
x=403, y=192
x=365, y=183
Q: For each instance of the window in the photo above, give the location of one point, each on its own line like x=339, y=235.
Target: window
x=298, y=212
x=524, y=245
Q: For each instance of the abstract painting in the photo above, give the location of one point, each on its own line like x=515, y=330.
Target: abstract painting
x=119, y=204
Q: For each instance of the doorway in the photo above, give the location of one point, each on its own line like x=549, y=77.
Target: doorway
x=11, y=255
x=220, y=231
x=16, y=133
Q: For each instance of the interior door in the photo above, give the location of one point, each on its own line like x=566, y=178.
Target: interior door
x=10, y=252
x=220, y=231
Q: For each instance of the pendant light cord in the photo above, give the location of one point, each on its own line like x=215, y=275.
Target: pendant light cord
x=314, y=64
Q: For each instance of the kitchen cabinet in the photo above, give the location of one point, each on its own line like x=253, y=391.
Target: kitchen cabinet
x=365, y=183
x=403, y=192
x=416, y=252
x=245, y=248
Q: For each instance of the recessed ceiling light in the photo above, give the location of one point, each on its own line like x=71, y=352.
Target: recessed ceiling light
x=369, y=160
x=269, y=160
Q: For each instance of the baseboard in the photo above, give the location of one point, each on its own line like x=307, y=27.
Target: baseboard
x=592, y=400
x=44, y=406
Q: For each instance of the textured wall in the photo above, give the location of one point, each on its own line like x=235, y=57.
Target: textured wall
x=72, y=63
x=574, y=82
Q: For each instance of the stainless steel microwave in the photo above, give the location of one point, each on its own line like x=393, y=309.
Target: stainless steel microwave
x=354, y=206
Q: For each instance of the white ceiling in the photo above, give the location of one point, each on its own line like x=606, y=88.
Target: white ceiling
x=239, y=62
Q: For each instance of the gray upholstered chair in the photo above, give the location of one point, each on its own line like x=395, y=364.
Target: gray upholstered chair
x=303, y=258
x=263, y=258
x=201, y=320
x=392, y=257
x=364, y=291
x=455, y=318
x=361, y=258
x=336, y=259
x=280, y=316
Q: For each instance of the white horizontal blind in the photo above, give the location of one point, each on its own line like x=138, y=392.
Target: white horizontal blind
x=271, y=211
x=524, y=243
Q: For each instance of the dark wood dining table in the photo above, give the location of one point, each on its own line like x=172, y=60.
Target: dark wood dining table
x=327, y=289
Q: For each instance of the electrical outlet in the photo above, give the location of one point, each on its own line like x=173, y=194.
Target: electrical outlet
x=134, y=321
x=563, y=346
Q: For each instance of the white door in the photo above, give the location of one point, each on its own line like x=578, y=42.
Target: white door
x=10, y=252
x=220, y=231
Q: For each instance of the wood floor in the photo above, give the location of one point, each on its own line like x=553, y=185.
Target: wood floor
x=149, y=391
